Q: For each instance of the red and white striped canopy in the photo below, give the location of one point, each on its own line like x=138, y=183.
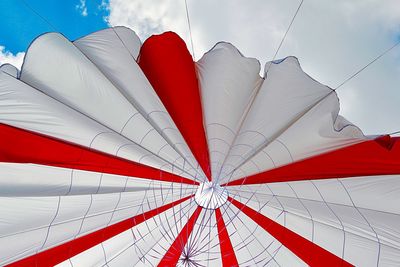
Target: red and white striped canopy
x=114, y=153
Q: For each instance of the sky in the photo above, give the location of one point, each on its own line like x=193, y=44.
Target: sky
x=332, y=39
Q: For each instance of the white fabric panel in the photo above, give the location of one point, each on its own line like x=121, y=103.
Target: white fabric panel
x=33, y=180
x=151, y=198
x=310, y=135
x=327, y=229
x=286, y=258
x=249, y=243
x=68, y=221
x=203, y=243
x=228, y=83
x=25, y=223
x=65, y=264
x=120, y=39
x=328, y=190
x=39, y=180
x=40, y=211
x=386, y=226
x=113, y=247
x=253, y=245
x=360, y=251
x=380, y=193
x=99, y=213
x=76, y=82
x=12, y=248
x=133, y=247
x=54, y=220
x=389, y=257
x=323, y=211
x=106, y=50
x=316, y=131
x=92, y=257
x=286, y=95
x=321, y=219
x=79, y=84
x=93, y=93
x=170, y=231
x=10, y=70
x=24, y=107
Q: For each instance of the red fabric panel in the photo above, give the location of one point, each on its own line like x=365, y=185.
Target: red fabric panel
x=307, y=251
x=227, y=252
x=67, y=250
x=374, y=157
x=173, y=254
x=22, y=146
x=171, y=71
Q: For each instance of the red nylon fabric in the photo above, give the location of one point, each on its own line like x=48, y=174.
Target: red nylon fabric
x=68, y=250
x=169, y=67
x=310, y=253
x=173, y=254
x=374, y=157
x=22, y=146
x=228, y=254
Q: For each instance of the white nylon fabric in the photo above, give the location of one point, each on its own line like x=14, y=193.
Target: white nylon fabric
x=289, y=112
x=141, y=245
x=10, y=70
x=261, y=248
x=110, y=54
x=92, y=92
x=285, y=96
x=50, y=221
x=310, y=135
x=80, y=84
x=25, y=107
x=207, y=248
x=347, y=217
x=38, y=180
x=228, y=83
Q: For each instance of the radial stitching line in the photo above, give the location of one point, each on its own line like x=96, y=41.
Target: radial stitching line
x=237, y=213
x=334, y=213
x=313, y=200
x=76, y=219
x=262, y=146
x=49, y=227
x=134, y=105
x=362, y=215
x=173, y=254
x=381, y=161
x=186, y=214
x=307, y=210
x=309, y=252
x=135, y=241
x=93, y=160
x=81, y=113
x=265, y=249
x=227, y=253
x=148, y=117
x=69, y=249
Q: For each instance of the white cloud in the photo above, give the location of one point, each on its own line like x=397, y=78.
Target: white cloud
x=149, y=17
x=8, y=57
x=332, y=40
x=82, y=8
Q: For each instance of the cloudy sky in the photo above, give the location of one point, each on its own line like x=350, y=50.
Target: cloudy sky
x=332, y=39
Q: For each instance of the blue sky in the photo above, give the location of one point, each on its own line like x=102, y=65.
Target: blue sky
x=20, y=25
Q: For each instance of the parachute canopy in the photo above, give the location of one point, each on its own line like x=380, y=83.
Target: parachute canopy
x=114, y=153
